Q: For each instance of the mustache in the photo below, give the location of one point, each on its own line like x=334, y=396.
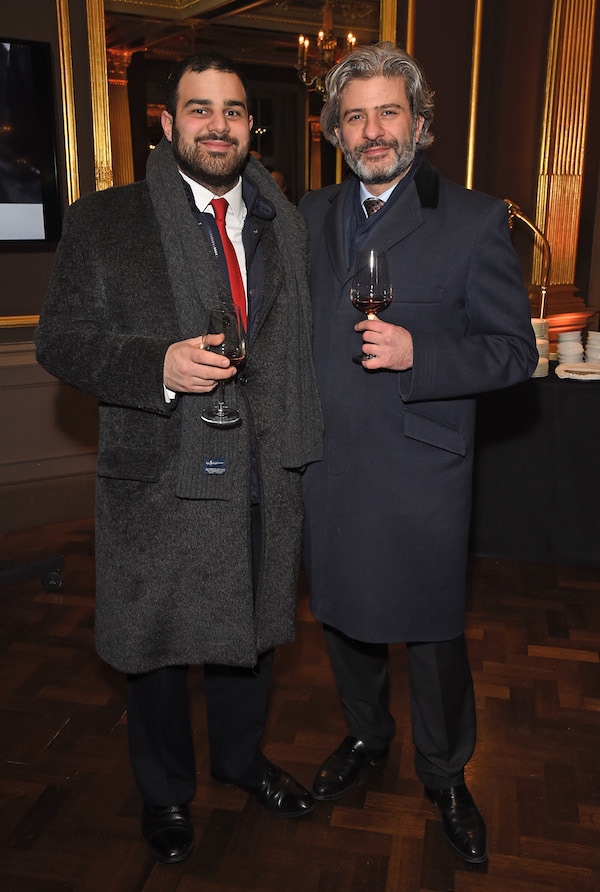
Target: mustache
x=218, y=137
x=376, y=143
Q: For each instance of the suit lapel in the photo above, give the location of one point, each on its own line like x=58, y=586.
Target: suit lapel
x=399, y=221
x=334, y=231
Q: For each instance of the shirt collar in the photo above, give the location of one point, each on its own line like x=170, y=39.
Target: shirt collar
x=203, y=197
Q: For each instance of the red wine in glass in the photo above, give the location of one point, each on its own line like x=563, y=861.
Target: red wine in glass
x=371, y=289
x=226, y=321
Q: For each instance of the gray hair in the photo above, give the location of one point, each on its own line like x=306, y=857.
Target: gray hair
x=381, y=59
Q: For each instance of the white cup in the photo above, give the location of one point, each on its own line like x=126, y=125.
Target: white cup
x=569, y=336
x=540, y=327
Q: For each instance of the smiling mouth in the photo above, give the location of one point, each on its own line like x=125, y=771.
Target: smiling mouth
x=375, y=150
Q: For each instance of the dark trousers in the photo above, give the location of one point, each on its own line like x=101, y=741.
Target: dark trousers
x=161, y=748
x=441, y=699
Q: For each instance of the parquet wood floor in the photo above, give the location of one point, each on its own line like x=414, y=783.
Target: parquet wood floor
x=69, y=809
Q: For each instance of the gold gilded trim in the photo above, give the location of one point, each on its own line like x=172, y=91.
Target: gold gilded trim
x=18, y=321
x=99, y=89
x=387, y=20
x=475, y=64
x=411, y=23
x=68, y=101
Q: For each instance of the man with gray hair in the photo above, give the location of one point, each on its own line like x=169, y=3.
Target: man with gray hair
x=388, y=507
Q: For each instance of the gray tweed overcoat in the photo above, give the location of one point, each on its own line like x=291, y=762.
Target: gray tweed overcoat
x=133, y=274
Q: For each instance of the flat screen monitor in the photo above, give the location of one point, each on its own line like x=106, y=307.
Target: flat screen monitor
x=30, y=207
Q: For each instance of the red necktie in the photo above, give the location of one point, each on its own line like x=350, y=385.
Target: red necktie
x=233, y=268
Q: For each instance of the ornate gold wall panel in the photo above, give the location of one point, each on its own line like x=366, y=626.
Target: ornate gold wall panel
x=562, y=152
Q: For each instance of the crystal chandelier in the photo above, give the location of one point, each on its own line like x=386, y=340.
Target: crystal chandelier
x=312, y=70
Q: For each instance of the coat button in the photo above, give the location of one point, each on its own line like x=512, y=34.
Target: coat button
x=242, y=379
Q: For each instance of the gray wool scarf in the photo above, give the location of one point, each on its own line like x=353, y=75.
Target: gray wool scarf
x=194, y=276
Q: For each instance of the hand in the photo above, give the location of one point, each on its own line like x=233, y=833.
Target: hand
x=391, y=345
x=190, y=368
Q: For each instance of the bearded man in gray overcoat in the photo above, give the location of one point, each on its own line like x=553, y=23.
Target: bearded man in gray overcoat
x=198, y=526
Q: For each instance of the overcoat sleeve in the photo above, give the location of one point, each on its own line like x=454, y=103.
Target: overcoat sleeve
x=100, y=327
x=496, y=347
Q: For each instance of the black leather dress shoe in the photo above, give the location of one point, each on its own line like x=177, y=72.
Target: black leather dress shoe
x=463, y=825
x=278, y=792
x=342, y=770
x=168, y=832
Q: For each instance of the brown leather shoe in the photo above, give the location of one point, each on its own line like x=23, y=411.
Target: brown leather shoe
x=168, y=832
x=342, y=770
x=462, y=823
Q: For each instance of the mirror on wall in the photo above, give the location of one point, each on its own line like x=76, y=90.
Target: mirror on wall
x=285, y=73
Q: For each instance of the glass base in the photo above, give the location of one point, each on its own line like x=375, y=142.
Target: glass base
x=221, y=415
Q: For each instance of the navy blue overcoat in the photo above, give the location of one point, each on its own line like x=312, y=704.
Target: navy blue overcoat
x=388, y=507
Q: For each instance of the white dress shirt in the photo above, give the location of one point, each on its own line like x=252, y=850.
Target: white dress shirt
x=234, y=224
x=234, y=219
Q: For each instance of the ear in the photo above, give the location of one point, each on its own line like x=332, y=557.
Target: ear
x=166, y=121
x=420, y=122
x=250, y=122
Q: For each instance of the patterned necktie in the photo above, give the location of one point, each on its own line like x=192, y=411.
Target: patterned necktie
x=236, y=282
x=372, y=205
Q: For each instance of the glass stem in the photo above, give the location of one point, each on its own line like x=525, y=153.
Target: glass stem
x=221, y=395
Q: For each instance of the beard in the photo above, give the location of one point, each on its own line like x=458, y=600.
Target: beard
x=381, y=170
x=210, y=169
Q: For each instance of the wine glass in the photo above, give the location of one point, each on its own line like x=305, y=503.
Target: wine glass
x=371, y=290
x=225, y=320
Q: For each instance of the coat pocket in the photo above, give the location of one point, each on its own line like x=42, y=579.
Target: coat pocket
x=120, y=463
x=433, y=431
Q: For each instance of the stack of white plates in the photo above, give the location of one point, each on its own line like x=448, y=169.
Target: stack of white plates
x=570, y=348
x=592, y=346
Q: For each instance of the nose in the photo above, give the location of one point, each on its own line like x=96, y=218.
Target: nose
x=220, y=122
x=373, y=127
